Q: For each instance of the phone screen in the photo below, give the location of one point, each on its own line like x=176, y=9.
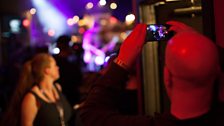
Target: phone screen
x=157, y=32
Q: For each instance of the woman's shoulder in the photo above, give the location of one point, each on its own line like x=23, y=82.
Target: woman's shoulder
x=30, y=97
x=29, y=100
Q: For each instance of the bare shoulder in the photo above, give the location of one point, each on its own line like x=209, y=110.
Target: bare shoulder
x=29, y=109
x=29, y=100
x=58, y=86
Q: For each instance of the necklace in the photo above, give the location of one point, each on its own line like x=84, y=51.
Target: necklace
x=57, y=103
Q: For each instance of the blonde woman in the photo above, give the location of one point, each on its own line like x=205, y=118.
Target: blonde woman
x=38, y=101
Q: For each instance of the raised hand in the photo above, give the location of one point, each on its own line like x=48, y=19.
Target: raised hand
x=179, y=26
x=132, y=46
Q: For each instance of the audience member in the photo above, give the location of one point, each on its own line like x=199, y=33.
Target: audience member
x=190, y=71
x=37, y=100
x=70, y=69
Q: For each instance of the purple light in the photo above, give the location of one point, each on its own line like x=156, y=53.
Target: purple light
x=87, y=57
x=50, y=17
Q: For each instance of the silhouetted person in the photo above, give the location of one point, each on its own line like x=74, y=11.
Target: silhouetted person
x=70, y=69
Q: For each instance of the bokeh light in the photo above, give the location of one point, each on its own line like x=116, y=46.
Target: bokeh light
x=56, y=50
x=113, y=6
x=51, y=32
x=102, y=3
x=99, y=60
x=33, y=11
x=26, y=23
x=70, y=22
x=129, y=19
x=89, y=5
x=75, y=19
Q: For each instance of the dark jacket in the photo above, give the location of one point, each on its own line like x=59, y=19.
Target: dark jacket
x=101, y=106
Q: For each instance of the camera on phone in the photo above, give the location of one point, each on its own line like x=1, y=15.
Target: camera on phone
x=158, y=32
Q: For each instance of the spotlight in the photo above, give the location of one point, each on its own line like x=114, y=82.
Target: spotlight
x=51, y=32
x=26, y=23
x=102, y=3
x=113, y=6
x=15, y=25
x=75, y=19
x=70, y=22
x=130, y=18
x=89, y=5
x=33, y=11
x=99, y=60
x=50, y=17
x=56, y=51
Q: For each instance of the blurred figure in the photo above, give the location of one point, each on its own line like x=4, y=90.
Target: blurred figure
x=70, y=69
x=38, y=100
x=95, y=48
x=191, y=69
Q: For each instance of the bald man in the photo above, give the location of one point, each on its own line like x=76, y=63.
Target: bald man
x=191, y=68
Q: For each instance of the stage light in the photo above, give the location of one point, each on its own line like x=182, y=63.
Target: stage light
x=15, y=25
x=87, y=57
x=33, y=11
x=56, y=50
x=89, y=5
x=51, y=32
x=102, y=3
x=107, y=59
x=26, y=23
x=50, y=17
x=113, y=6
x=70, y=22
x=75, y=19
x=130, y=18
x=99, y=60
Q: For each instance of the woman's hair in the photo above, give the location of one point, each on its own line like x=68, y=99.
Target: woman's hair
x=31, y=74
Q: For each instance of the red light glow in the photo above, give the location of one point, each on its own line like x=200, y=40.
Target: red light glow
x=26, y=23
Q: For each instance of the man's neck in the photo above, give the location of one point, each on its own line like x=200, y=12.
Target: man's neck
x=186, y=104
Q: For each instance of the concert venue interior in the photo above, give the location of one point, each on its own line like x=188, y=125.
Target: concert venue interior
x=87, y=32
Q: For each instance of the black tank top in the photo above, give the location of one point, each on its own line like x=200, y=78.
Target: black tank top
x=48, y=114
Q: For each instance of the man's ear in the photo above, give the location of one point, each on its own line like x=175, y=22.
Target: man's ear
x=167, y=81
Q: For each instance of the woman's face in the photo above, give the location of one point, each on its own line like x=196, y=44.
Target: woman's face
x=54, y=69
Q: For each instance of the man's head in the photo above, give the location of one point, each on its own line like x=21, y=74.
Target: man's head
x=63, y=42
x=191, y=56
x=191, y=68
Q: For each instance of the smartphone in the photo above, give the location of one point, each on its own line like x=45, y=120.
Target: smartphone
x=158, y=32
